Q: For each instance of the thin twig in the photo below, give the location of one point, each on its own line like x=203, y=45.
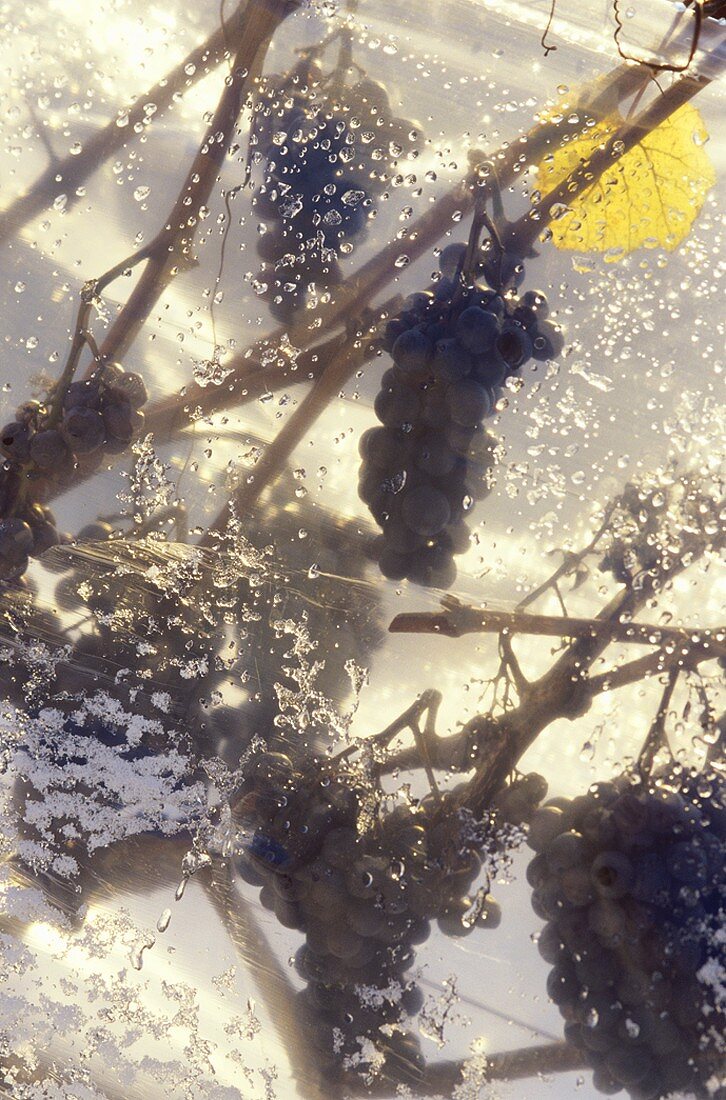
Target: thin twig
x=570, y=561
x=70, y=172
x=173, y=243
x=634, y=672
x=346, y=358
x=656, y=737
x=442, y=1078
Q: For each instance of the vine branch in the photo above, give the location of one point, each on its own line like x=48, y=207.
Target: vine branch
x=74, y=170
x=458, y=619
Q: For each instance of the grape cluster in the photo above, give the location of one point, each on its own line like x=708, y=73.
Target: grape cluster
x=629, y=878
x=452, y=348
x=99, y=415
x=636, y=546
x=328, y=153
x=363, y=898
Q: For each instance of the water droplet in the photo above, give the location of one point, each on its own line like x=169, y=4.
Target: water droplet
x=163, y=922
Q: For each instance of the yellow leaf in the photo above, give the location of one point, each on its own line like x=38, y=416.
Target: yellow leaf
x=648, y=199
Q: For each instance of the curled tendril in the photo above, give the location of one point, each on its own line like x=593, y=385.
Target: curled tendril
x=656, y=66
x=543, y=40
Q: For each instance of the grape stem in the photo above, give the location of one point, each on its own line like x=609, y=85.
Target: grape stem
x=656, y=738
x=75, y=170
x=571, y=563
x=81, y=331
x=458, y=619
x=427, y=703
x=345, y=357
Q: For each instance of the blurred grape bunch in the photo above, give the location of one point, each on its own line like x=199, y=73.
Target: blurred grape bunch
x=364, y=879
x=162, y=631
x=657, y=520
x=318, y=579
x=50, y=441
x=630, y=879
x=329, y=148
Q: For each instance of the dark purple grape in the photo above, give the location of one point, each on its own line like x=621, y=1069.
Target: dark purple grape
x=16, y=543
x=434, y=457
x=15, y=442
x=514, y=345
x=426, y=510
x=122, y=423
x=83, y=394
x=612, y=874
x=451, y=361
x=45, y=536
x=537, y=301
x=396, y=407
x=502, y=269
x=130, y=387
x=98, y=531
x=433, y=566
x=413, y=350
x=451, y=259
x=476, y=330
x=83, y=429
x=468, y=402
x=49, y=450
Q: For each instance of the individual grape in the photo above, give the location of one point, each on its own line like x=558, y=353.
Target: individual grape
x=450, y=360
x=451, y=258
x=476, y=330
x=426, y=510
x=369, y=97
x=396, y=406
x=15, y=442
x=433, y=566
x=128, y=386
x=122, y=424
x=612, y=874
x=513, y=344
x=412, y=350
x=16, y=543
x=82, y=394
x=502, y=269
x=83, y=429
x=49, y=450
x=98, y=531
x=434, y=457
x=537, y=301
x=45, y=535
x=467, y=402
